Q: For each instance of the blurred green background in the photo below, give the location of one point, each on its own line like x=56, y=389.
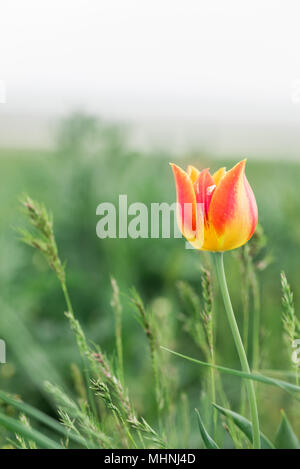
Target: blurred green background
x=92, y=163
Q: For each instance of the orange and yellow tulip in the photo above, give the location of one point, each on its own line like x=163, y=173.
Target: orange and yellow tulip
x=223, y=203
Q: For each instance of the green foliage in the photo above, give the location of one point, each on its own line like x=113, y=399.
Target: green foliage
x=25, y=432
x=117, y=307
x=39, y=416
x=245, y=426
x=289, y=387
x=43, y=238
x=285, y=437
x=207, y=439
x=113, y=386
x=289, y=318
x=193, y=318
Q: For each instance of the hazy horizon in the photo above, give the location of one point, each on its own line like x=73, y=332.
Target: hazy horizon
x=220, y=76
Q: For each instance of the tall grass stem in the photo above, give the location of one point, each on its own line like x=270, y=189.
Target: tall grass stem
x=117, y=307
x=85, y=370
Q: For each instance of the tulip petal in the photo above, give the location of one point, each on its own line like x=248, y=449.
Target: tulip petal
x=204, y=188
x=218, y=175
x=186, y=203
x=193, y=173
x=233, y=210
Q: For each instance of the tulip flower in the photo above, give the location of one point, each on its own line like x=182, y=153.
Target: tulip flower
x=215, y=212
x=218, y=213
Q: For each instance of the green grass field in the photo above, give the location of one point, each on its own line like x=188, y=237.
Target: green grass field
x=91, y=164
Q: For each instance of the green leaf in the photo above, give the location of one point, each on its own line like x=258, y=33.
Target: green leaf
x=207, y=440
x=41, y=417
x=285, y=437
x=15, y=426
x=245, y=426
x=289, y=387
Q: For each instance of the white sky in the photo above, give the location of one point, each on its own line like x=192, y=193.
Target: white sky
x=179, y=59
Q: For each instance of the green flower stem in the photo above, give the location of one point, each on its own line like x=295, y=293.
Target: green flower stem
x=256, y=320
x=218, y=258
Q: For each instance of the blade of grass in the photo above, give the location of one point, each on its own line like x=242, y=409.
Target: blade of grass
x=207, y=439
x=117, y=308
x=289, y=318
x=145, y=318
x=289, y=387
x=285, y=437
x=16, y=426
x=245, y=426
x=41, y=417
